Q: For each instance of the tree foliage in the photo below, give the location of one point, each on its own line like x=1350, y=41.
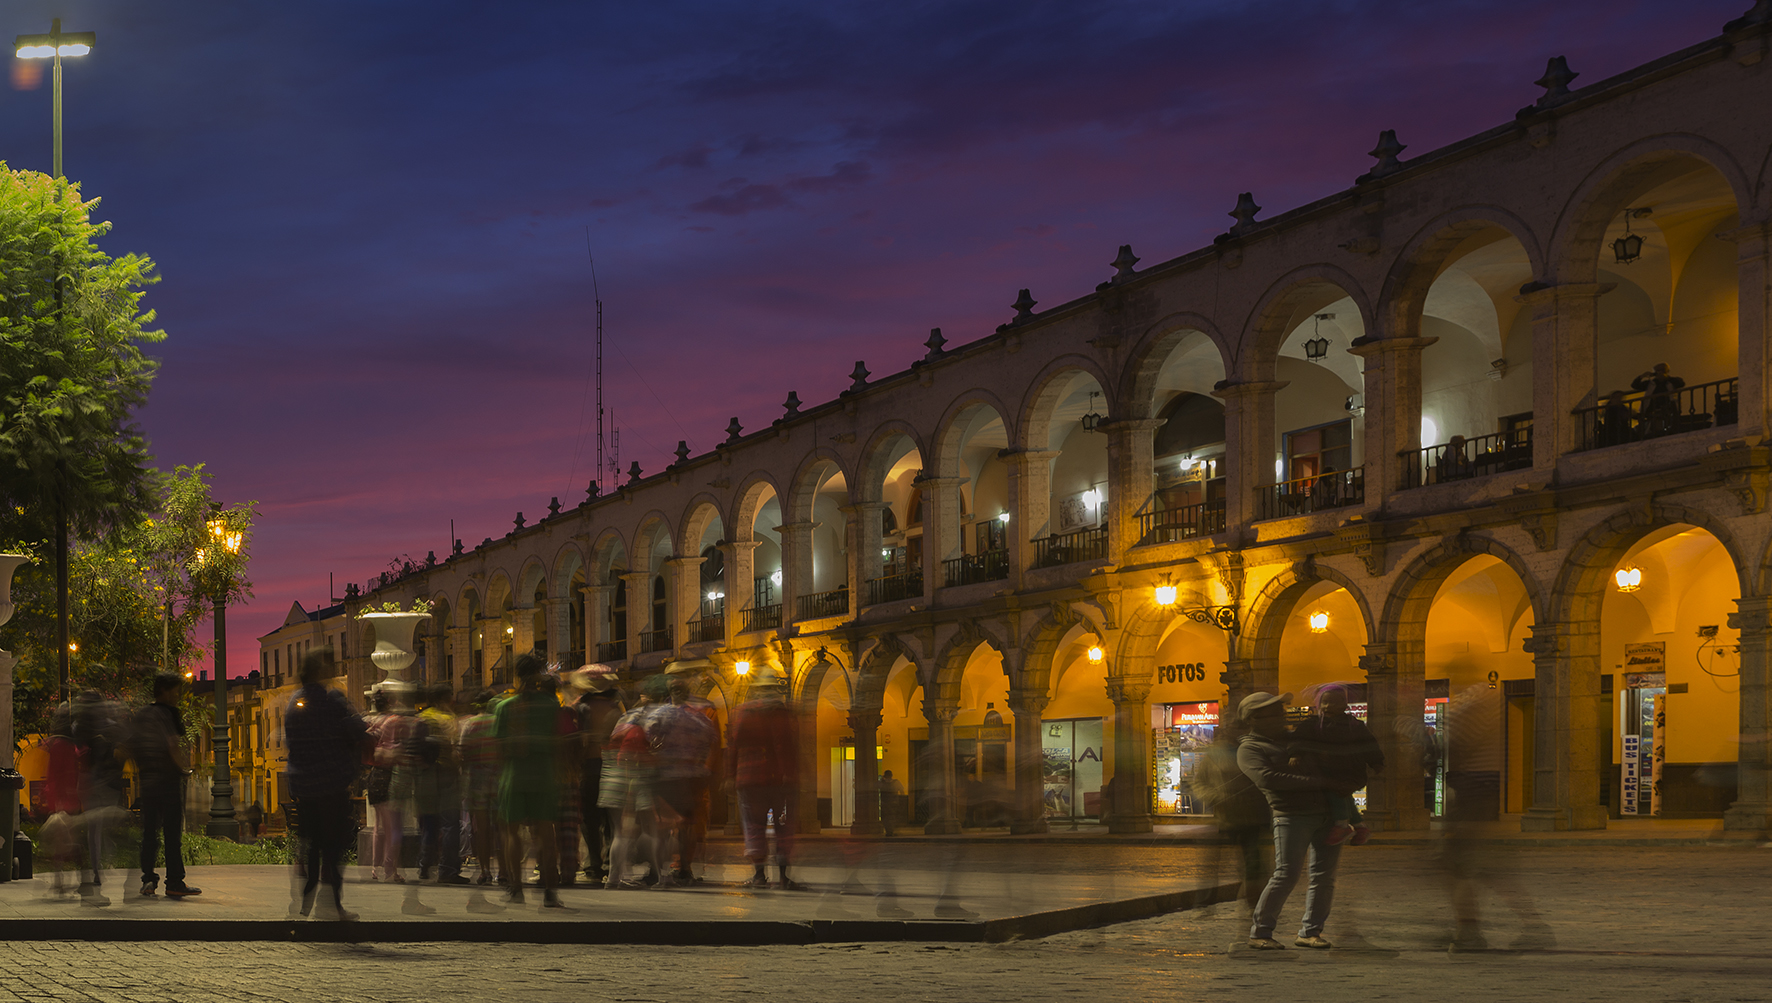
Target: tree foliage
x=72, y=369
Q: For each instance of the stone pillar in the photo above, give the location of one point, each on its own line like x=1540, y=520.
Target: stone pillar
x=865, y=541
x=1392, y=422
x=639, y=608
x=1566, y=728
x=1396, y=687
x=683, y=592
x=1132, y=479
x=1563, y=371
x=1249, y=445
x=1752, y=809
x=942, y=538
x=598, y=600
x=1755, y=314
x=456, y=644
x=7, y=661
x=1131, y=784
x=806, y=722
x=522, y=630
x=864, y=721
x=937, y=773
x=796, y=566
x=1030, y=501
x=1029, y=813
x=560, y=639
x=741, y=584
x=1238, y=678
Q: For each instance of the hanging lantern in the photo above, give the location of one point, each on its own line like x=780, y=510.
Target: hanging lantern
x=1629, y=247
x=1319, y=622
x=1628, y=579
x=1317, y=349
x=1092, y=419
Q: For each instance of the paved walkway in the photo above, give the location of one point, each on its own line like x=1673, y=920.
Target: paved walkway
x=1673, y=923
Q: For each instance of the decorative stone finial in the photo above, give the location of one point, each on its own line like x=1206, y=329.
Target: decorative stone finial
x=1760, y=13
x=430, y=558
x=1024, y=306
x=553, y=506
x=591, y=490
x=858, y=378
x=734, y=431
x=634, y=472
x=682, y=451
x=1123, y=263
x=934, y=343
x=1244, y=214
x=791, y=406
x=1386, y=154
x=456, y=550
x=1555, y=82
x=485, y=543
x=351, y=590
x=519, y=520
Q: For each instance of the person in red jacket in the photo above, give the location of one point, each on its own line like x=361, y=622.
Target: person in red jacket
x=764, y=767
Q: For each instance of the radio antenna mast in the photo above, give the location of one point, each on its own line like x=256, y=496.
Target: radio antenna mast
x=598, y=296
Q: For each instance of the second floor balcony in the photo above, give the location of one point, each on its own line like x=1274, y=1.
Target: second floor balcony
x=655, y=640
x=1071, y=548
x=1633, y=417
x=1183, y=522
x=893, y=587
x=612, y=651
x=970, y=569
x=1304, y=495
x=764, y=617
x=1462, y=458
x=819, y=605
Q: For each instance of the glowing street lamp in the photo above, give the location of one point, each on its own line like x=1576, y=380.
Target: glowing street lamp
x=743, y=668
x=222, y=823
x=54, y=46
x=1096, y=654
x=1164, y=594
x=1628, y=579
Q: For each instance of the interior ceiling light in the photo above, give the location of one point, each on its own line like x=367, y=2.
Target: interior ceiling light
x=1319, y=622
x=1628, y=579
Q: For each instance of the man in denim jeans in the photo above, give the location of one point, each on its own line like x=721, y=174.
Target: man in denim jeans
x=1301, y=823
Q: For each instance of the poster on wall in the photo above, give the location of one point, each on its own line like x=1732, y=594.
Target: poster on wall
x=1658, y=753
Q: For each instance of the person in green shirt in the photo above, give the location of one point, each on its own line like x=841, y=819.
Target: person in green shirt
x=529, y=728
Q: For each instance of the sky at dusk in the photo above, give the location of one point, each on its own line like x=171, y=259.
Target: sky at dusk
x=372, y=217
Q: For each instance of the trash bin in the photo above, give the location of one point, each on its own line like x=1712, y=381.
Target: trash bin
x=19, y=851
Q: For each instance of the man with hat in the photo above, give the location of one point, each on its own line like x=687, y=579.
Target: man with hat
x=598, y=708
x=1301, y=823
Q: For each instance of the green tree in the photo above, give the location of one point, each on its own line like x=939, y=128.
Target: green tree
x=72, y=372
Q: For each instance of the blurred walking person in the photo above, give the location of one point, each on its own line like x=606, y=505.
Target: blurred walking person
x=529, y=728
x=598, y=708
x=479, y=757
x=59, y=843
x=395, y=728
x=98, y=732
x=326, y=741
x=157, y=743
x=1301, y=824
x=683, y=738
x=1241, y=812
x=764, y=767
x=437, y=791
x=1344, y=751
x=627, y=791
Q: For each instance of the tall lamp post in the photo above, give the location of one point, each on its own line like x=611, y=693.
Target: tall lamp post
x=222, y=824
x=54, y=46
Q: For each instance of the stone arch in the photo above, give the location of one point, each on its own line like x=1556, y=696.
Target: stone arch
x=1406, y=605
x=944, y=455
x=700, y=513
x=753, y=492
x=942, y=676
x=1575, y=245
x=1268, y=610
x=533, y=573
x=877, y=458
x=1266, y=327
x=803, y=490
x=1138, y=383
x=875, y=666
x=607, y=553
x=567, y=562
x=1581, y=580
x=1426, y=254
x=653, y=527
x=1049, y=388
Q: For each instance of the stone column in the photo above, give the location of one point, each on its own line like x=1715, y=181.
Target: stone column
x=522, y=630
x=683, y=589
x=1396, y=687
x=942, y=539
x=1131, y=784
x=937, y=774
x=1393, y=412
x=864, y=721
x=1132, y=479
x=1238, y=678
x=1566, y=728
x=639, y=608
x=598, y=600
x=796, y=566
x=865, y=562
x=7, y=661
x=806, y=721
x=741, y=584
x=1029, y=813
x=1752, y=809
x=1563, y=370
x=1249, y=445
x=1755, y=314
x=456, y=644
x=1030, y=505
x=560, y=639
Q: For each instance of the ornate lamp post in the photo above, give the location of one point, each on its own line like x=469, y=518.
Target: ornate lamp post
x=225, y=544
x=10, y=781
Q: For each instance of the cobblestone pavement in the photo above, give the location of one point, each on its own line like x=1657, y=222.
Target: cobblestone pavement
x=1647, y=923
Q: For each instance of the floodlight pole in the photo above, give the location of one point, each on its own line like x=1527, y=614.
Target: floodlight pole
x=55, y=40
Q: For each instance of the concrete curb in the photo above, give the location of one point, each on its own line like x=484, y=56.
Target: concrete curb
x=661, y=933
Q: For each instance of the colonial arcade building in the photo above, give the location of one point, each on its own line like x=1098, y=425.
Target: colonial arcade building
x=1410, y=437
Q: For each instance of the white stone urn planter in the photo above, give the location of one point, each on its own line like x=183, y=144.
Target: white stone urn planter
x=8, y=564
x=393, y=642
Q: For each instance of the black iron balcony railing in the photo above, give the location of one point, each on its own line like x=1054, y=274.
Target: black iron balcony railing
x=1639, y=416
x=1304, y=495
x=1071, y=548
x=822, y=604
x=1474, y=457
x=1183, y=522
x=655, y=640
x=711, y=627
x=763, y=617
x=612, y=651
x=891, y=588
x=970, y=569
